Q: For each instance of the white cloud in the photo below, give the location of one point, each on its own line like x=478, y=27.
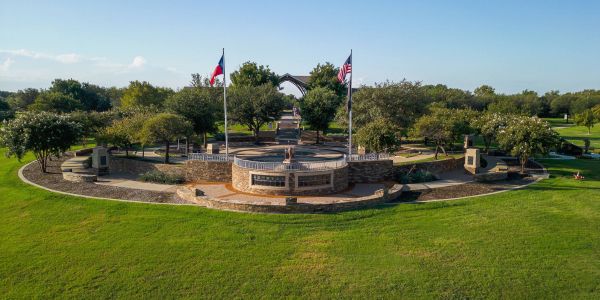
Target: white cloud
x=6, y=64
x=67, y=58
x=138, y=62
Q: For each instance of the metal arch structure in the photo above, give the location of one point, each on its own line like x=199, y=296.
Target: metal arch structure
x=300, y=82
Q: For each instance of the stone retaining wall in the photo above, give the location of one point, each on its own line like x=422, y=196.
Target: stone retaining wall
x=370, y=171
x=216, y=171
x=241, y=178
x=380, y=197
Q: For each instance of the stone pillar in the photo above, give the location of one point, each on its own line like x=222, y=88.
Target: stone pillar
x=361, y=150
x=100, y=160
x=472, y=160
x=212, y=148
x=468, y=143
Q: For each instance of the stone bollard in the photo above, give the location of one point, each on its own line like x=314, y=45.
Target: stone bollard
x=291, y=200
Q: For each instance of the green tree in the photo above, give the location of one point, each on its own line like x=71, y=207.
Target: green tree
x=55, y=102
x=164, y=128
x=484, y=91
x=379, y=136
x=5, y=111
x=126, y=132
x=22, y=98
x=525, y=137
x=488, y=125
x=444, y=126
x=45, y=134
x=319, y=107
x=87, y=94
x=251, y=74
x=325, y=76
x=199, y=106
x=255, y=106
x=587, y=119
x=144, y=94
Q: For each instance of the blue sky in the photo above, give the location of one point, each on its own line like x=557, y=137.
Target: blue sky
x=511, y=45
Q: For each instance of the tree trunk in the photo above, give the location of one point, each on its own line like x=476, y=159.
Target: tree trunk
x=317, y=136
x=256, y=130
x=167, y=152
x=523, y=162
x=436, y=152
x=187, y=147
x=143, y=154
x=444, y=151
x=205, y=135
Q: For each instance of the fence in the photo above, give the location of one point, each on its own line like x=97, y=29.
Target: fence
x=210, y=157
x=368, y=157
x=278, y=166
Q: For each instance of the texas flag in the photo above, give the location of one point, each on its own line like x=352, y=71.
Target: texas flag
x=218, y=70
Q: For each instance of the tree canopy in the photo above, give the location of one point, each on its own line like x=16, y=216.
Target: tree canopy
x=255, y=106
x=165, y=127
x=144, y=94
x=251, y=74
x=318, y=108
x=199, y=106
x=379, y=136
x=325, y=76
x=86, y=94
x=55, y=102
x=42, y=133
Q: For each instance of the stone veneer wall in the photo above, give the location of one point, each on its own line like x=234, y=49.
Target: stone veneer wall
x=344, y=204
x=190, y=170
x=215, y=171
x=241, y=181
x=370, y=171
x=435, y=167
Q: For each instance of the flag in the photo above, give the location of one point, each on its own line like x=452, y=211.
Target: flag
x=345, y=69
x=218, y=70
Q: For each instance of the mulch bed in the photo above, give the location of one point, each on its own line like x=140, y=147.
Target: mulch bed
x=53, y=180
x=465, y=190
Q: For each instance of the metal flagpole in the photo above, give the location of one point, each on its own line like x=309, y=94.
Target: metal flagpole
x=225, y=106
x=350, y=106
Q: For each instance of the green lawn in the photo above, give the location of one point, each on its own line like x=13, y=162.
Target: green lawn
x=576, y=134
x=558, y=122
x=541, y=242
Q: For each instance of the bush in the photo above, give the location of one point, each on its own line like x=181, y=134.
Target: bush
x=417, y=177
x=161, y=177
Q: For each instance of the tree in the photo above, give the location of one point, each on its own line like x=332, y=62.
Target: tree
x=5, y=111
x=484, y=91
x=199, y=81
x=255, y=106
x=87, y=94
x=251, y=74
x=164, y=128
x=587, y=119
x=199, y=106
x=55, y=102
x=444, y=126
x=144, y=94
x=487, y=125
x=398, y=103
x=325, y=76
x=42, y=133
x=379, y=136
x=22, y=98
x=319, y=107
x=125, y=132
x=93, y=123
x=525, y=137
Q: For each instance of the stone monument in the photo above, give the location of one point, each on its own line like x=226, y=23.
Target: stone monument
x=212, y=148
x=472, y=160
x=289, y=155
x=468, y=141
x=100, y=160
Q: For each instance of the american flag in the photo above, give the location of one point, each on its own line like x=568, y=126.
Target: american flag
x=345, y=69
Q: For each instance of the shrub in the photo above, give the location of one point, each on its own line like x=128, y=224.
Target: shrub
x=417, y=177
x=162, y=177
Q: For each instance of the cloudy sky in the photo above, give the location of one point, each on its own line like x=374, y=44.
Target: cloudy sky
x=511, y=45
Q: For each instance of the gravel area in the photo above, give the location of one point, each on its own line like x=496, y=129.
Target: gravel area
x=465, y=190
x=53, y=180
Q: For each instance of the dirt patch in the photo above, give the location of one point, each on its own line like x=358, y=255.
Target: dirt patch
x=465, y=190
x=53, y=180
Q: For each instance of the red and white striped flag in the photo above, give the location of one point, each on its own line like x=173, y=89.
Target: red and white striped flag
x=345, y=69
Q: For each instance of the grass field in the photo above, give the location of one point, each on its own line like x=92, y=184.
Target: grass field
x=558, y=122
x=576, y=134
x=541, y=242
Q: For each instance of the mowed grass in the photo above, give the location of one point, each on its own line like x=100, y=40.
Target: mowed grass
x=541, y=242
x=577, y=134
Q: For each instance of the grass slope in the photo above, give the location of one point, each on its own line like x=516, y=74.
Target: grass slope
x=576, y=134
x=542, y=242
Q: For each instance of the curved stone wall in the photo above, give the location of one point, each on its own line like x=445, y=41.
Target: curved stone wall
x=242, y=180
